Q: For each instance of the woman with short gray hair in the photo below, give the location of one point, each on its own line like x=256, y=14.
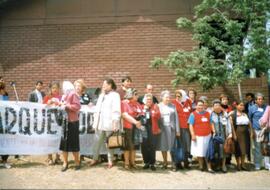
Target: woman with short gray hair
x=169, y=126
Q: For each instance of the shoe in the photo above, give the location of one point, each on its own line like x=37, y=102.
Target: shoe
x=64, y=168
x=7, y=165
x=126, y=167
x=133, y=166
x=93, y=163
x=211, y=171
x=109, y=166
x=50, y=162
x=257, y=168
x=244, y=168
x=146, y=166
x=186, y=165
x=174, y=169
x=164, y=166
x=77, y=167
x=153, y=168
x=57, y=161
x=224, y=169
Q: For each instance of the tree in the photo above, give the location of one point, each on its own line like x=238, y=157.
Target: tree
x=220, y=28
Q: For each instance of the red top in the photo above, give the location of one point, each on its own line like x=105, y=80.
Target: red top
x=202, y=126
x=49, y=97
x=183, y=111
x=73, y=106
x=133, y=108
x=155, y=116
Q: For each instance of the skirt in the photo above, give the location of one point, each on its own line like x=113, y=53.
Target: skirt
x=200, y=146
x=70, y=141
x=242, y=139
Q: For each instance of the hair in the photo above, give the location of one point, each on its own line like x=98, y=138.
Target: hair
x=97, y=91
x=111, y=82
x=147, y=85
x=200, y=101
x=2, y=86
x=258, y=94
x=203, y=99
x=128, y=78
x=216, y=101
x=149, y=96
x=250, y=94
x=223, y=96
x=239, y=102
x=82, y=83
x=163, y=93
x=178, y=92
x=192, y=89
x=39, y=82
x=54, y=83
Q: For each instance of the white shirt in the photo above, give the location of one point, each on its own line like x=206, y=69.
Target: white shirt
x=39, y=95
x=108, y=109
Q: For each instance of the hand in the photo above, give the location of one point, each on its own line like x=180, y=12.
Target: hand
x=138, y=124
x=178, y=134
x=193, y=137
x=230, y=136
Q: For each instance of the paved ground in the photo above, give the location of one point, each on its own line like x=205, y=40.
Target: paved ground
x=34, y=174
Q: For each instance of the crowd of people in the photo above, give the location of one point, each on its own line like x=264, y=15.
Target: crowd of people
x=190, y=129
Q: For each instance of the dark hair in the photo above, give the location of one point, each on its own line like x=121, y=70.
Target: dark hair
x=200, y=101
x=111, y=82
x=250, y=94
x=223, y=96
x=128, y=78
x=239, y=102
x=2, y=86
x=39, y=82
x=191, y=89
x=97, y=91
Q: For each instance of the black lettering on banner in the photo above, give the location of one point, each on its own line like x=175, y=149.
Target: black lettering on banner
x=37, y=131
x=50, y=121
x=82, y=122
x=90, y=121
x=26, y=129
x=10, y=125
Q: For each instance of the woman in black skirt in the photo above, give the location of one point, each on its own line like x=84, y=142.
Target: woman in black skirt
x=70, y=139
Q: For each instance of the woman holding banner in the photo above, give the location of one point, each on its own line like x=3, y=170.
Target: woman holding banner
x=53, y=99
x=70, y=141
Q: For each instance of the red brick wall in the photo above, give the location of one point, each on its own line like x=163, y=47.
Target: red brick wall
x=95, y=51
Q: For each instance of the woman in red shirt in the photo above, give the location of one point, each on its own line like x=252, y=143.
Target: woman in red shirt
x=200, y=130
x=131, y=109
x=53, y=99
x=184, y=108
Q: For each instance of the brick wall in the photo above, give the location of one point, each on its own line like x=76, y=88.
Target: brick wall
x=97, y=50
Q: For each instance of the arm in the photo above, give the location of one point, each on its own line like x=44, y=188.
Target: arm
x=116, y=111
x=232, y=127
x=265, y=118
x=130, y=119
x=74, y=103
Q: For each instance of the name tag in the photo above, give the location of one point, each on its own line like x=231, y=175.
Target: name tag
x=224, y=121
x=186, y=110
x=147, y=115
x=167, y=118
x=204, y=119
x=260, y=109
x=138, y=110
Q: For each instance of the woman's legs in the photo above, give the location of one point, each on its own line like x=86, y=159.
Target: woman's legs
x=127, y=157
x=165, y=159
x=76, y=158
x=65, y=158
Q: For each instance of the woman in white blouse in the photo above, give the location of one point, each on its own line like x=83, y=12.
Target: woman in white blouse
x=242, y=127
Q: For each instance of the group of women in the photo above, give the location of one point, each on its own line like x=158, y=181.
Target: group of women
x=181, y=125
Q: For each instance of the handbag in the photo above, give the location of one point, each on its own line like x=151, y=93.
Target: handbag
x=115, y=140
x=229, y=146
x=177, y=151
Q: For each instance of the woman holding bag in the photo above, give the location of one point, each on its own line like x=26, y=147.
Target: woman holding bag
x=106, y=119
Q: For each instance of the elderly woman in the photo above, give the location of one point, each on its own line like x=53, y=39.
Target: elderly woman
x=169, y=126
x=241, y=126
x=184, y=108
x=200, y=130
x=131, y=111
x=222, y=127
x=151, y=117
x=70, y=140
x=106, y=118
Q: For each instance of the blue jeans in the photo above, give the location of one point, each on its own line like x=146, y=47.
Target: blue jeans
x=257, y=152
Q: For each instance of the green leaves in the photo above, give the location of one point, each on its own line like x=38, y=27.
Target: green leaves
x=219, y=28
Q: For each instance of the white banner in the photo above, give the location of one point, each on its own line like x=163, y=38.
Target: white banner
x=30, y=128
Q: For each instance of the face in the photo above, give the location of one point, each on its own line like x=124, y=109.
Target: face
x=78, y=88
x=259, y=101
x=127, y=83
x=240, y=107
x=135, y=96
x=55, y=89
x=205, y=105
x=178, y=96
x=200, y=107
x=149, y=101
x=39, y=86
x=191, y=94
x=248, y=98
x=217, y=108
x=106, y=87
x=224, y=101
x=166, y=99
x=149, y=89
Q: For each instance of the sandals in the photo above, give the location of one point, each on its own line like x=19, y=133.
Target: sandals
x=50, y=162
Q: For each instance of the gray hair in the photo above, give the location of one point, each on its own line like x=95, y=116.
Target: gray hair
x=164, y=93
x=203, y=98
x=258, y=94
